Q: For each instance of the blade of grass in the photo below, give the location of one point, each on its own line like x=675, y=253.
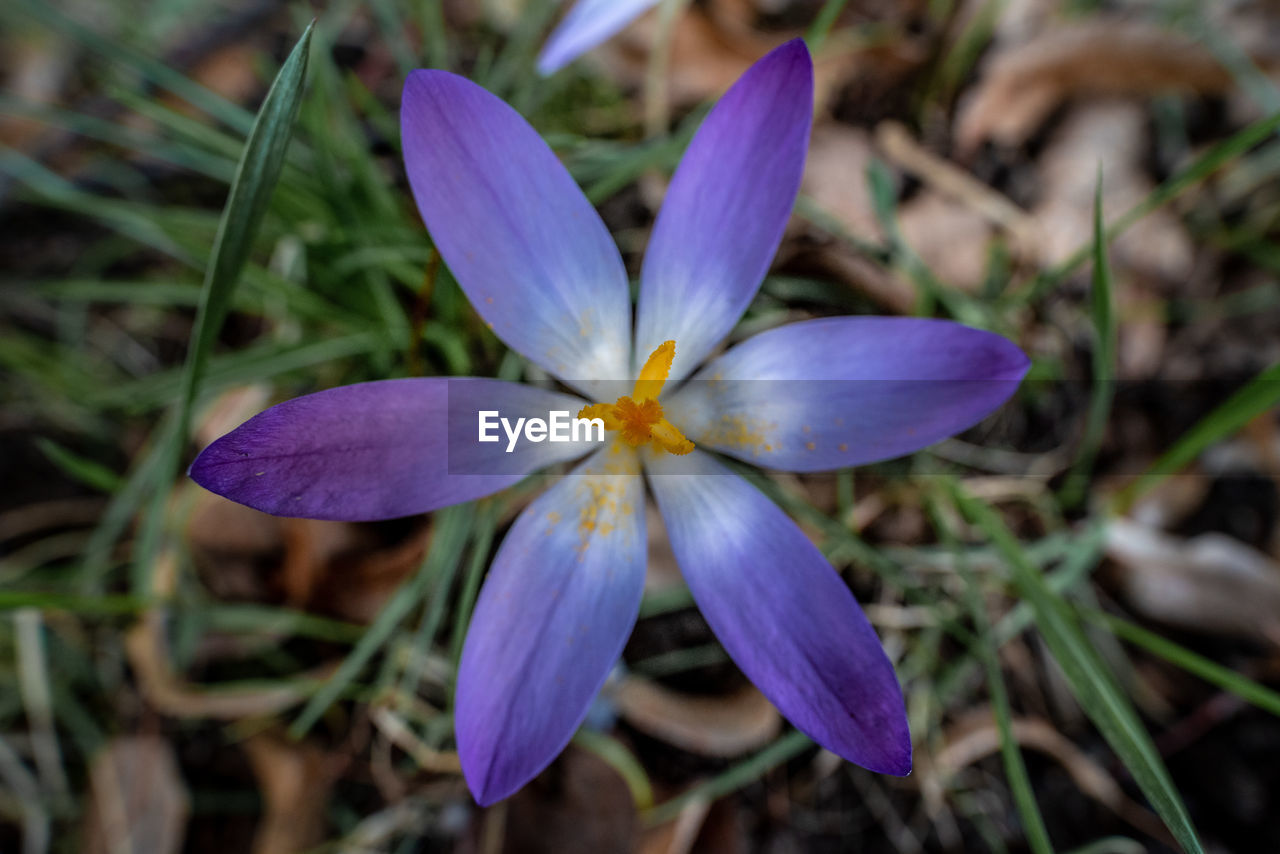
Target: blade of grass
x=1199, y=169
x=246, y=206
x=1210, y=671
x=89, y=472
x=620, y=759
x=753, y=768
x=1090, y=680
x=149, y=67
x=1103, y=362
x=822, y=24
x=984, y=648
x=1257, y=396
x=450, y=529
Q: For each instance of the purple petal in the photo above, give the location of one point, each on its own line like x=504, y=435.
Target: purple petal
x=380, y=450
x=726, y=209
x=552, y=618
x=782, y=613
x=588, y=23
x=843, y=391
x=523, y=242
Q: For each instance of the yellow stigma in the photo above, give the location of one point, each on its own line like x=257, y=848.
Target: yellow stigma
x=638, y=419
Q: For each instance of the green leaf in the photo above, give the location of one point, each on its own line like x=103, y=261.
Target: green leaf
x=744, y=772
x=450, y=530
x=1210, y=671
x=984, y=647
x=1102, y=305
x=1199, y=169
x=246, y=205
x=88, y=472
x=1091, y=681
x=1258, y=395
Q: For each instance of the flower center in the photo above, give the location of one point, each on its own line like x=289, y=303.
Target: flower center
x=638, y=419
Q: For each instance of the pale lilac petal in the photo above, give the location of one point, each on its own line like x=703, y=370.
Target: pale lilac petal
x=782, y=613
x=555, y=611
x=725, y=211
x=588, y=23
x=523, y=242
x=843, y=391
x=380, y=450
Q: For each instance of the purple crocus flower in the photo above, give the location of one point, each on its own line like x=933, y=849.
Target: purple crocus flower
x=564, y=590
x=588, y=23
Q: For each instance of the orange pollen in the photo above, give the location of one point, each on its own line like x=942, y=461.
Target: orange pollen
x=638, y=419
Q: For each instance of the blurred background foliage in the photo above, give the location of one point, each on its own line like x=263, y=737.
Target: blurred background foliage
x=1081, y=596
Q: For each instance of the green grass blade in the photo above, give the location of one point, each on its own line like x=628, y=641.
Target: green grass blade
x=451, y=528
x=246, y=205
x=149, y=67
x=1258, y=395
x=92, y=474
x=1091, y=681
x=746, y=771
x=984, y=647
x=1210, y=671
x=822, y=24
x=1201, y=168
x=1102, y=311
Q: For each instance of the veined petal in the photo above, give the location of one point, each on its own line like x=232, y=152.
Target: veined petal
x=842, y=391
x=588, y=23
x=523, y=242
x=552, y=618
x=782, y=613
x=380, y=450
x=726, y=209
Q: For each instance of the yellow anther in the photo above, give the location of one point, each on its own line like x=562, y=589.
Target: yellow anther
x=654, y=373
x=638, y=419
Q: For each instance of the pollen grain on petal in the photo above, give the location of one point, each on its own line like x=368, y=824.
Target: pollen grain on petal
x=743, y=432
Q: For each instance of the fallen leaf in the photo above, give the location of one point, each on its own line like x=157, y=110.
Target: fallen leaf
x=1022, y=85
x=976, y=737
x=709, y=726
x=295, y=781
x=950, y=238
x=835, y=177
x=1210, y=583
x=1112, y=135
x=138, y=803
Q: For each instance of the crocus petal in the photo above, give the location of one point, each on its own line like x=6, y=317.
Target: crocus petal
x=725, y=211
x=380, y=450
x=823, y=394
x=552, y=618
x=588, y=23
x=523, y=242
x=781, y=612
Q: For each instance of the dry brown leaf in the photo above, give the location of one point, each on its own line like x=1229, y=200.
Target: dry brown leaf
x=977, y=737
x=705, y=59
x=165, y=691
x=894, y=293
x=137, y=801
x=1110, y=134
x=1023, y=85
x=955, y=183
x=578, y=804
x=295, y=781
x=230, y=71
x=835, y=177
x=709, y=726
x=1210, y=583
x=949, y=237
